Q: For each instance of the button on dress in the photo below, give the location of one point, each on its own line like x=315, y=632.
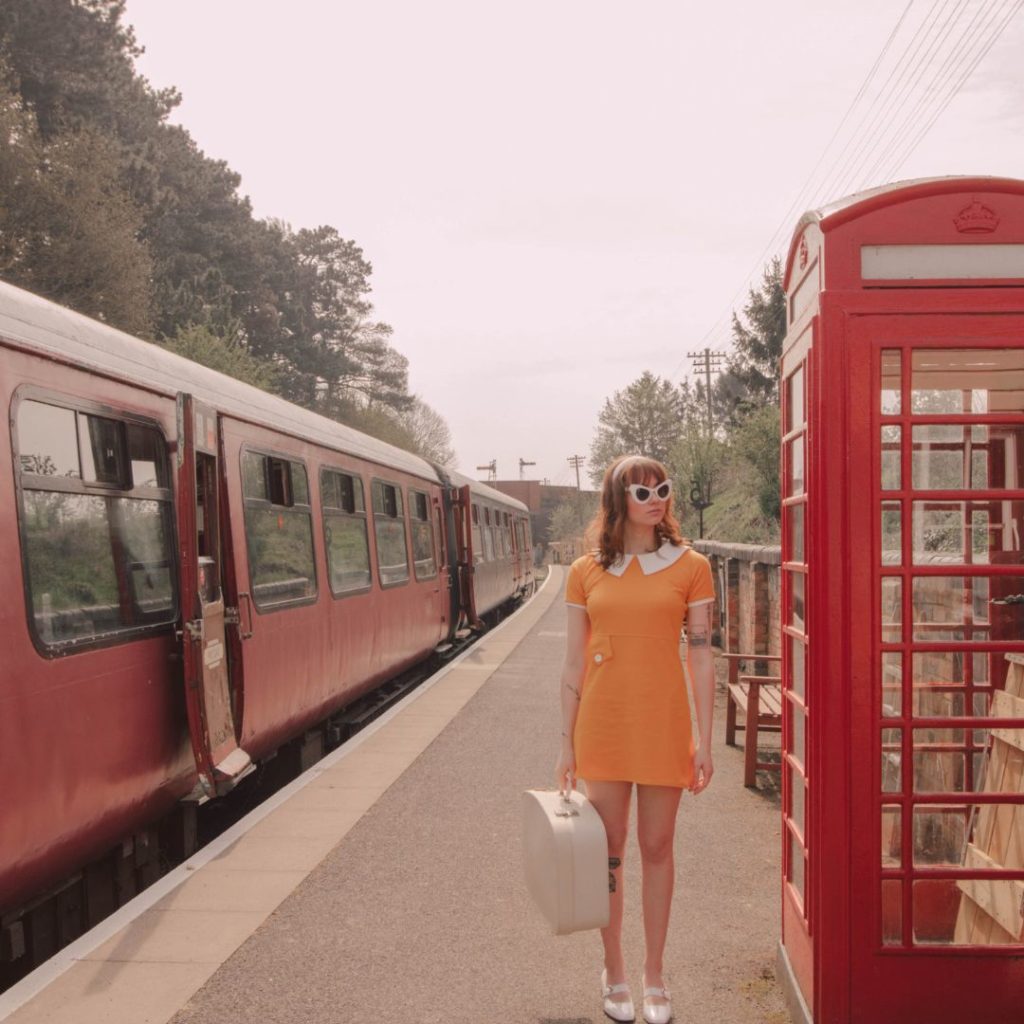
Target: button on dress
x=634, y=723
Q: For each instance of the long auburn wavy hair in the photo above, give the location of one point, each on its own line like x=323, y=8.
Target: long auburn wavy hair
x=607, y=531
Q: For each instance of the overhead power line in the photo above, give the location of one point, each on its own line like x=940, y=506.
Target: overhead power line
x=903, y=95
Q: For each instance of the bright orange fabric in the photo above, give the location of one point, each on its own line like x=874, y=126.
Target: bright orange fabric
x=634, y=716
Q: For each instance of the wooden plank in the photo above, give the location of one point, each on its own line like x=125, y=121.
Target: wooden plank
x=992, y=912
x=739, y=692
x=1002, y=900
x=1006, y=705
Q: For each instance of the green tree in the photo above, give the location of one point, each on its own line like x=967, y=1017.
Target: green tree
x=67, y=230
x=227, y=355
x=753, y=377
x=112, y=210
x=430, y=433
x=571, y=517
x=645, y=418
x=696, y=459
x=72, y=63
x=757, y=442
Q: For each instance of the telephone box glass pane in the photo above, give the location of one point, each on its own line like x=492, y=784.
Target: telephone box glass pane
x=951, y=532
x=939, y=835
x=891, y=471
x=796, y=661
x=940, y=761
x=892, y=835
x=795, y=409
x=936, y=907
x=892, y=759
x=798, y=734
x=891, y=382
x=797, y=800
x=892, y=609
x=948, y=457
x=796, y=533
x=796, y=466
x=939, y=684
x=961, y=381
x=892, y=533
x=892, y=912
x=956, y=608
x=892, y=683
x=796, y=614
x=796, y=865
x=972, y=533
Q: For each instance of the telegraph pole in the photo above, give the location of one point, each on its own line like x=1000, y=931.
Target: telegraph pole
x=522, y=465
x=491, y=468
x=576, y=461
x=706, y=362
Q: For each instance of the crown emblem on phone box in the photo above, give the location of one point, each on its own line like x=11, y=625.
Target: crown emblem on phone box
x=976, y=219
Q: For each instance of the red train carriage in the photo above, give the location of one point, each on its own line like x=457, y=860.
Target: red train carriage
x=197, y=572
x=498, y=547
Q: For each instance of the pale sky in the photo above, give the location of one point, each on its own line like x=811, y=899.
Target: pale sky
x=556, y=196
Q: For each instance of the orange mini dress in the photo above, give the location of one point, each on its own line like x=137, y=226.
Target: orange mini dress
x=634, y=723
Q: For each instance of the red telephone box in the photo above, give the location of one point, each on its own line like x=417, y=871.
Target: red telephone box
x=903, y=607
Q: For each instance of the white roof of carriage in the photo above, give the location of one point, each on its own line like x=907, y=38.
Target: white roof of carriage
x=42, y=326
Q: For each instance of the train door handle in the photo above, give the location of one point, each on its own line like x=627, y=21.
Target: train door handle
x=245, y=620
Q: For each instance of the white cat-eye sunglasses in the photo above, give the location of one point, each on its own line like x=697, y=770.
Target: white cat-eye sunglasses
x=642, y=494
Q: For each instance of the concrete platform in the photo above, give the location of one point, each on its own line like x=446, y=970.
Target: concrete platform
x=386, y=884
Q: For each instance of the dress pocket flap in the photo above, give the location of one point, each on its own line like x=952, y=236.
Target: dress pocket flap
x=600, y=650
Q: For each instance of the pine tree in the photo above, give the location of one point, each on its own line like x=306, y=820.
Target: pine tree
x=645, y=418
x=757, y=337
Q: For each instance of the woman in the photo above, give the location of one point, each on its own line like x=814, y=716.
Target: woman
x=625, y=711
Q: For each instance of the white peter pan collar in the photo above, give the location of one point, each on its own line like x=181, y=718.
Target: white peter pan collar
x=650, y=561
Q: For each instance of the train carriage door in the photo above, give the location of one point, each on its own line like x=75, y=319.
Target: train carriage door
x=219, y=759
x=444, y=573
x=468, y=542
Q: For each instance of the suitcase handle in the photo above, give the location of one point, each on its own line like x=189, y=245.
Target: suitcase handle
x=566, y=810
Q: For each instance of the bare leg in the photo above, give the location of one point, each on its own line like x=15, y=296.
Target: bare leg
x=656, y=824
x=611, y=801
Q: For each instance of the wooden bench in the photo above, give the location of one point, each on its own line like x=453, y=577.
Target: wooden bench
x=760, y=700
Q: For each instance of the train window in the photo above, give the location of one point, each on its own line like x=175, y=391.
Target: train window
x=389, y=530
x=342, y=491
x=278, y=530
x=345, y=532
x=48, y=441
x=488, y=536
x=279, y=482
x=99, y=563
x=254, y=476
x=101, y=444
x=422, y=536
x=478, y=543
x=145, y=456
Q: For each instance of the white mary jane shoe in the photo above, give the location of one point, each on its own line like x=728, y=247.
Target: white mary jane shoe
x=621, y=1010
x=656, y=1013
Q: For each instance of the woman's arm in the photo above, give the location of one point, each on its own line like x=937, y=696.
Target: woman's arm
x=701, y=663
x=578, y=630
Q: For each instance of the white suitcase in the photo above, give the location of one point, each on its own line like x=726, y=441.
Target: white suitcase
x=565, y=853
